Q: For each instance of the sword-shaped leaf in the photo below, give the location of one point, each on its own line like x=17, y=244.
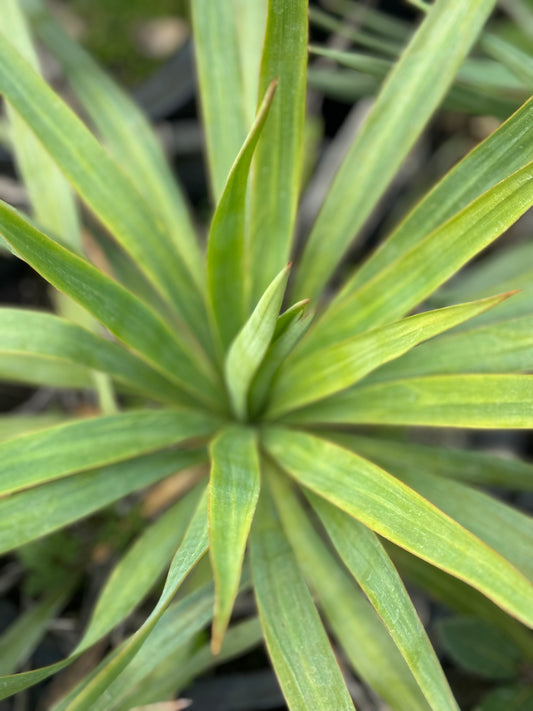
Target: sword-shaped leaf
x=276, y=173
x=50, y=196
x=296, y=640
x=330, y=370
x=251, y=343
x=118, y=309
x=101, y=183
x=355, y=624
x=389, y=507
x=413, y=91
x=483, y=401
x=250, y=19
x=226, y=272
x=233, y=492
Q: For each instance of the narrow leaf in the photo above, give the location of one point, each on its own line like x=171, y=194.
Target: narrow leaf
x=68, y=348
x=38, y=370
x=91, y=170
x=297, y=643
x=388, y=507
x=233, y=492
x=278, y=160
x=250, y=19
x=356, y=625
x=405, y=281
x=520, y=63
x=483, y=401
x=219, y=76
x=126, y=132
x=225, y=249
x=118, y=309
x=329, y=370
x=413, y=90
x=251, y=343
x=79, y=445
x=139, y=569
x=53, y=205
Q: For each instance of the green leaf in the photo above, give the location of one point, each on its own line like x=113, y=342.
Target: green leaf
x=233, y=493
x=226, y=271
x=139, y=569
x=53, y=205
x=126, y=132
x=367, y=561
x=84, y=444
x=67, y=500
x=479, y=648
x=251, y=344
x=520, y=63
x=36, y=370
x=119, y=310
x=276, y=175
x=192, y=548
x=509, y=698
x=19, y=640
x=16, y=424
x=219, y=76
x=91, y=170
x=483, y=401
x=388, y=507
x=52, y=344
x=501, y=347
x=343, y=364
x=354, y=622
x=475, y=467
x=250, y=20
x=404, y=282
x=412, y=91
x=296, y=641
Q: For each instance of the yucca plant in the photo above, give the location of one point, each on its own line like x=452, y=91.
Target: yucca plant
x=285, y=408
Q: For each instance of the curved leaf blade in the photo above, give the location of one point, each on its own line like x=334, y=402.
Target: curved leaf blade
x=296, y=641
x=233, y=493
x=388, y=507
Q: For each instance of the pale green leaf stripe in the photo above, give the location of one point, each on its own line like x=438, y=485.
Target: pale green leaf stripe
x=389, y=507
x=139, y=569
x=101, y=183
x=276, y=172
x=474, y=467
x=288, y=317
x=412, y=91
x=63, y=503
x=39, y=370
x=79, y=445
x=251, y=343
x=367, y=561
x=226, y=272
x=456, y=595
x=484, y=401
x=192, y=548
x=50, y=195
x=509, y=149
x=329, y=370
x=518, y=62
x=505, y=347
x=296, y=641
x=37, y=337
x=278, y=350
x=234, y=485
x=174, y=631
x=417, y=272
x=19, y=640
x=499, y=525
x=67, y=500
x=118, y=309
x=250, y=19
x=219, y=75
x=15, y=424
x=126, y=132
x=356, y=625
